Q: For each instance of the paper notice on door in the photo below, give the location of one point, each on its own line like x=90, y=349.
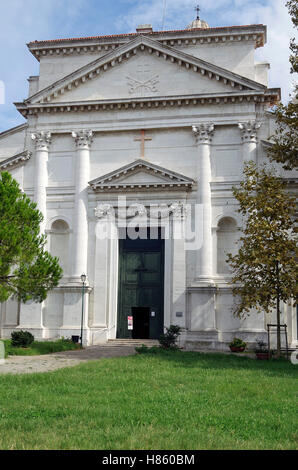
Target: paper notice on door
x=130, y=322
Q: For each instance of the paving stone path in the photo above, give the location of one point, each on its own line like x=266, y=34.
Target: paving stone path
x=49, y=362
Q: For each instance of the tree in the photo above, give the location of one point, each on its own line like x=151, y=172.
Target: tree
x=264, y=271
x=293, y=10
x=27, y=271
x=285, y=141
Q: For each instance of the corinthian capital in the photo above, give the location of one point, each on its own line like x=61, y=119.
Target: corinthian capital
x=203, y=132
x=83, y=139
x=177, y=209
x=249, y=130
x=42, y=140
x=103, y=210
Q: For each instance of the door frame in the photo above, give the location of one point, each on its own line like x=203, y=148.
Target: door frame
x=105, y=316
x=114, y=276
x=163, y=302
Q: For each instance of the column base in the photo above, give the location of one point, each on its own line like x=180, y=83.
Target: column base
x=206, y=339
x=76, y=281
x=203, y=281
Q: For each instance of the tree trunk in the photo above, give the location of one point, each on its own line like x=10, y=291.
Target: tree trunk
x=278, y=339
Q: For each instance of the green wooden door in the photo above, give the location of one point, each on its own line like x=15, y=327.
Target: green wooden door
x=141, y=283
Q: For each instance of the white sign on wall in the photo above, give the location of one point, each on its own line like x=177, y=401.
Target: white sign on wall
x=130, y=322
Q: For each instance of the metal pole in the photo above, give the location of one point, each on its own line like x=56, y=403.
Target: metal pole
x=82, y=318
x=164, y=14
x=287, y=347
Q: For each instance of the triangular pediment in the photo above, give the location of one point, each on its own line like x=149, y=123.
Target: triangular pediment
x=143, y=67
x=141, y=175
x=16, y=160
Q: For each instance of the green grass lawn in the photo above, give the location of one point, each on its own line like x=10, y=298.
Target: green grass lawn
x=178, y=400
x=39, y=347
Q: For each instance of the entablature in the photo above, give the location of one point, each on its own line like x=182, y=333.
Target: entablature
x=269, y=97
x=105, y=44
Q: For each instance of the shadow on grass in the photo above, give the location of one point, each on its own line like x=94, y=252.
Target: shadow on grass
x=188, y=359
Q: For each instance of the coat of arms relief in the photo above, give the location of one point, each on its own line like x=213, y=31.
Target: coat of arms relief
x=143, y=82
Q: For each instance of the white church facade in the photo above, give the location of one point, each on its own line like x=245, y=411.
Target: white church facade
x=131, y=147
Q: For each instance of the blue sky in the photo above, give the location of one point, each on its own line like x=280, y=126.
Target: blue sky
x=22, y=21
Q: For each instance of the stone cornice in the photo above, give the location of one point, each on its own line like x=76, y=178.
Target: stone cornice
x=269, y=96
x=267, y=144
x=68, y=286
x=115, y=58
x=184, y=38
x=291, y=180
x=142, y=187
x=14, y=161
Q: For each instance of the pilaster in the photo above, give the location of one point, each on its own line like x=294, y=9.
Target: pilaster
x=249, y=139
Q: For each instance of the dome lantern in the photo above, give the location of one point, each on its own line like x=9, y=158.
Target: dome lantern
x=198, y=23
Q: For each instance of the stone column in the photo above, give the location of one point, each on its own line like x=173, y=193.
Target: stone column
x=83, y=140
x=249, y=140
x=203, y=134
x=42, y=142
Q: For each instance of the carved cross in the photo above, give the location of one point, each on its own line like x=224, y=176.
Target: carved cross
x=142, y=139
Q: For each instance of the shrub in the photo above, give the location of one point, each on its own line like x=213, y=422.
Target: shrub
x=21, y=339
x=49, y=347
x=262, y=347
x=169, y=338
x=237, y=343
x=144, y=349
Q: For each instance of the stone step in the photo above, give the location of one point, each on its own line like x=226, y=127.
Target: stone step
x=131, y=342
